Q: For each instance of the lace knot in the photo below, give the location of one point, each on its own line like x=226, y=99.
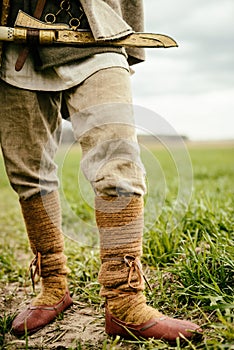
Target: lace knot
x=135, y=266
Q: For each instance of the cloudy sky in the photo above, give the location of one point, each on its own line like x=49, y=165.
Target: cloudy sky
x=190, y=87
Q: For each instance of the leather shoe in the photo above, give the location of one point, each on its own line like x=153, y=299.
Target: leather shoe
x=34, y=318
x=164, y=327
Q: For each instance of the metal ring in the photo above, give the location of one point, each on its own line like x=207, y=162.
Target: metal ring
x=74, y=23
x=65, y=5
x=50, y=18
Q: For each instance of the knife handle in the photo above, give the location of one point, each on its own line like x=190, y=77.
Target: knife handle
x=30, y=36
x=6, y=34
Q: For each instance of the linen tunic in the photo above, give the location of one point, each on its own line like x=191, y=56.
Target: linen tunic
x=108, y=19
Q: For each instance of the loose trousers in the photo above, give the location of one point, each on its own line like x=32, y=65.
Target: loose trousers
x=102, y=119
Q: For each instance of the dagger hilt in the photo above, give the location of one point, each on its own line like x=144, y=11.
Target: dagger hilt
x=27, y=35
x=6, y=34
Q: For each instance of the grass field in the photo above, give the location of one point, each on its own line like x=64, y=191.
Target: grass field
x=188, y=251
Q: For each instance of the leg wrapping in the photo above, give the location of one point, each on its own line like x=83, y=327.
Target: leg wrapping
x=43, y=222
x=120, y=223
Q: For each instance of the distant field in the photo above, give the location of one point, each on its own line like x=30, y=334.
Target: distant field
x=188, y=249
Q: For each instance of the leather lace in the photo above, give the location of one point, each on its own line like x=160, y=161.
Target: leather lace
x=35, y=269
x=134, y=266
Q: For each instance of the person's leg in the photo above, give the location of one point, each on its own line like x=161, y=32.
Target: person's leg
x=102, y=118
x=30, y=128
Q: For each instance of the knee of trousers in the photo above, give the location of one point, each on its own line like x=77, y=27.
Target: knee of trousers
x=114, y=168
x=110, y=151
x=30, y=164
x=29, y=184
x=29, y=176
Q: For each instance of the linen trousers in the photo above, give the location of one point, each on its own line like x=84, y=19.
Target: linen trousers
x=102, y=119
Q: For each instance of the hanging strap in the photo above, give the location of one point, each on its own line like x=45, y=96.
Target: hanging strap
x=25, y=51
x=35, y=269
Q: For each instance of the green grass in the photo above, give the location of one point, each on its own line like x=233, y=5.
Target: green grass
x=188, y=244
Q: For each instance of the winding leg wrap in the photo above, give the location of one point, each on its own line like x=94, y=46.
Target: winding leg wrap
x=42, y=218
x=120, y=223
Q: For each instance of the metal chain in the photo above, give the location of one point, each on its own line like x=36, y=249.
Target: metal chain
x=65, y=6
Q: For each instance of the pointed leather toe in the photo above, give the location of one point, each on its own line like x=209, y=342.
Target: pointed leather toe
x=165, y=328
x=34, y=318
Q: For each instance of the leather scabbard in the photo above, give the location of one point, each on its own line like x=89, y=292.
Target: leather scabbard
x=25, y=51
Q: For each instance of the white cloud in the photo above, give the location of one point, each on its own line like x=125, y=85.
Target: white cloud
x=205, y=116
x=191, y=86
